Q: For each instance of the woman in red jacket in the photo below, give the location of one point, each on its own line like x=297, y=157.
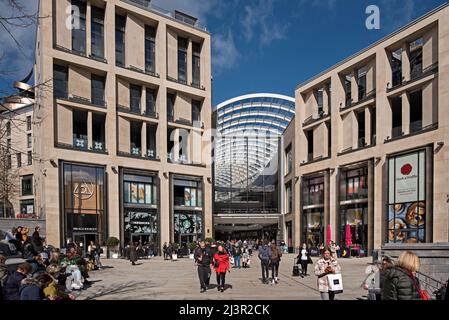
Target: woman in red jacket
x=221, y=265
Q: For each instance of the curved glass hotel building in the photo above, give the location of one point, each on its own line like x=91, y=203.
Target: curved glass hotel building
x=246, y=164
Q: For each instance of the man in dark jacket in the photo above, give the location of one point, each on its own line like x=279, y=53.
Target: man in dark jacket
x=264, y=256
x=398, y=285
x=31, y=289
x=13, y=282
x=203, y=259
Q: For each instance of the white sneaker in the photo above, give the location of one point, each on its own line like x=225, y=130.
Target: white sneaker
x=272, y=281
x=75, y=286
x=276, y=279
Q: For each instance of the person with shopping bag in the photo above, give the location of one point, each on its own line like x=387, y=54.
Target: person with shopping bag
x=324, y=267
x=203, y=259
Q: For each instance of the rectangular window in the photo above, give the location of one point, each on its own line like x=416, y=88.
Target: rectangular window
x=135, y=96
x=19, y=160
x=396, y=106
x=27, y=185
x=97, y=90
x=182, y=60
x=139, y=189
x=170, y=106
x=196, y=64
x=8, y=145
x=288, y=198
x=28, y=123
x=348, y=90
x=27, y=209
x=361, y=132
x=361, y=82
x=8, y=162
x=97, y=37
x=150, y=102
x=373, y=126
x=8, y=128
x=187, y=193
x=30, y=158
x=309, y=135
x=29, y=141
x=120, y=25
x=289, y=159
x=98, y=131
x=354, y=184
x=151, y=141
x=79, y=129
x=150, y=49
x=79, y=34
x=396, y=67
x=313, y=191
x=60, y=82
x=416, y=58
x=416, y=106
x=136, y=138
x=196, y=111
x=319, y=99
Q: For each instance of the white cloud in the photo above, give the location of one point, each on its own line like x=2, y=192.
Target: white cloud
x=224, y=52
x=17, y=60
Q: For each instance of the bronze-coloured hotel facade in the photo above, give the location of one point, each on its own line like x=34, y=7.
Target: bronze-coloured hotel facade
x=120, y=132
x=366, y=155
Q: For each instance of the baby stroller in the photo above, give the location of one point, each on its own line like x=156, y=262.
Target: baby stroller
x=296, y=268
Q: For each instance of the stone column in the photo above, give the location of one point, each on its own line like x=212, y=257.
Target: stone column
x=405, y=114
x=429, y=194
x=143, y=137
x=326, y=219
x=89, y=130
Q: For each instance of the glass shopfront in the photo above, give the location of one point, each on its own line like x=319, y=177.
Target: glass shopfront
x=406, y=198
x=313, y=211
x=354, y=207
x=140, y=213
x=188, y=210
x=84, y=202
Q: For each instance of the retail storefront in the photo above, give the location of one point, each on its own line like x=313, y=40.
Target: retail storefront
x=353, y=207
x=83, y=214
x=313, y=210
x=408, y=198
x=140, y=218
x=187, y=204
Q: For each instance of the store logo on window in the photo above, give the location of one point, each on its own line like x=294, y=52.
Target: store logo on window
x=406, y=169
x=84, y=190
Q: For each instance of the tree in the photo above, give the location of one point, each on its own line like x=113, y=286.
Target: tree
x=9, y=180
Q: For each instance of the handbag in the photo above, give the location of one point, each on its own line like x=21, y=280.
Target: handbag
x=309, y=260
x=424, y=295
x=335, y=283
x=216, y=264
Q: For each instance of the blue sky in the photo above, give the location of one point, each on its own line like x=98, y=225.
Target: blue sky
x=262, y=45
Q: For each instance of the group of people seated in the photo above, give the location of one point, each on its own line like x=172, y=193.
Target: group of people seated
x=20, y=242
x=51, y=274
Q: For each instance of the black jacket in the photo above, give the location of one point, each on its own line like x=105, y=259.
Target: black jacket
x=205, y=253
x=398, y=285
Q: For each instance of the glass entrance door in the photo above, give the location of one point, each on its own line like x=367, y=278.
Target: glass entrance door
x=83, y=240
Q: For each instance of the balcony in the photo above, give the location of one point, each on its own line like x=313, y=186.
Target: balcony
x=184, y=82
x=135, y=69
x=398, y=134
x=80, y=54
x=415, y=75
x=311, y=119
x=364, y=98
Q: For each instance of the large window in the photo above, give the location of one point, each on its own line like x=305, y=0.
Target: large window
x=406, y=198
x=79, y=34
x=28, y=123
x=289, y=160
x=135, y=96
x=396, y=109
x=27, y=185
x=29, y=141
x=182, y=60
x=319, y=99
x=353, y=184
x=188, y=226
x=196, y=111
x=60, y=79
x=188, y=193
x=416, y=58
x=353, y=224
x=97, y=90
x=361, y=82
x=170, y=106
x=396, y=67
x=27, y=210
x=80, y=128
x=313, y=191
x=97, y=37
x=84, y=198
x=139, y=189
x=196, y=64
x=348, y=90
x=150, y=102
x=150, y=49
x=19, y=159
x=416, y=108
x=313, y=230
x=120, y=25
x=361, y=141
x=98, y=131
x=309, y=135
x=288, y=198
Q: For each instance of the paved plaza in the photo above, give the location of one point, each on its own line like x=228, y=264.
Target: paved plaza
x=168, y=280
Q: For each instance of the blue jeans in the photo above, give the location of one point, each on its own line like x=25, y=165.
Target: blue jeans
x=237, y=261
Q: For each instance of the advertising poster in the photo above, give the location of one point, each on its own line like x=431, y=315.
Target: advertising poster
x=133, y=192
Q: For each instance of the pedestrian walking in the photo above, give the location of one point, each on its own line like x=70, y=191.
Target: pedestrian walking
x=323, y=267
x=400, y=281
x=275, y=260
x=221, y=266
x=203, y=259
x=264, y=256
x=304, y=259
x=132, y=253
x=237, y=253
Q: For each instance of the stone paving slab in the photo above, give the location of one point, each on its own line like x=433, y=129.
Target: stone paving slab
x=178, y=280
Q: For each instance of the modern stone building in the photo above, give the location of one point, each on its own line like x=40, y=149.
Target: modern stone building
x=368, y=150
x=120, y=132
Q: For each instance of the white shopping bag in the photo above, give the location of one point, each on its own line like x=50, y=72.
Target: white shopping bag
x=174, y=257
x=335, y=283
x=231, y=260
x=248, y=262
